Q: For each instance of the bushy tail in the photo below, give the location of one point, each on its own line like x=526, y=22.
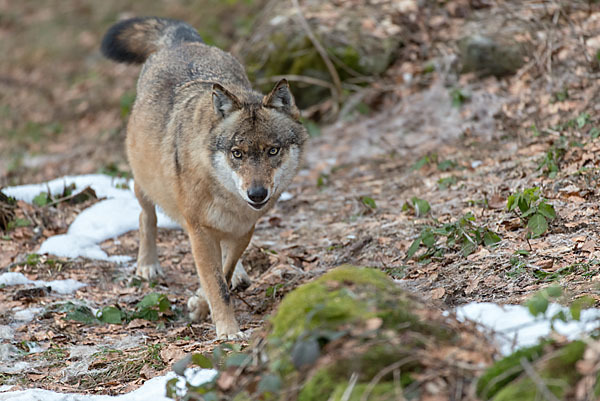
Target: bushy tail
x=133, y=40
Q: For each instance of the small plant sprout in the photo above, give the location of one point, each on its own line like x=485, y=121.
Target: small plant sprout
x=534, y=212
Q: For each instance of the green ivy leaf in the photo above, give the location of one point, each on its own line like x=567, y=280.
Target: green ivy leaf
x=511, y=203
x=421, y=206
x=202, y=361
x=579, y=304
x=236, y=359
x=369, y=202
x=554, y=291
x=80, y=313
x=537, y=225
x=149, y=300
x=491, y=238
x=547, y=210
x=270, y=383
x=414, y=247
x=428, y=238
x=111, y=314
x=41, y=199
x=537, y=305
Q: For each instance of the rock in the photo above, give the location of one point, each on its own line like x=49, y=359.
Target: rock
x=355, y=325
x=488, y=55
x=361, y=39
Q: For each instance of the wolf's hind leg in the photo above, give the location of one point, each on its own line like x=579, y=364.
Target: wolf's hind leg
x=240, y=279
x=198, y=306
x=147, y=261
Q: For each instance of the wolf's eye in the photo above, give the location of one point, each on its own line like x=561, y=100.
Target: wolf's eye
x=273, y=151
x=236, y=153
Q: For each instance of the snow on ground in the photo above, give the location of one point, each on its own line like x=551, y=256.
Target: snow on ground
x=109, y=218
x=64, y=287
x=154, y=389
x=514, y=327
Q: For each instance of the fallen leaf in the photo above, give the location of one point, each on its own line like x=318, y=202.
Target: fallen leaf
x=437, y=293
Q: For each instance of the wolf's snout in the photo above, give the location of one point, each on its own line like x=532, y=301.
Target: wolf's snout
x=257, y=194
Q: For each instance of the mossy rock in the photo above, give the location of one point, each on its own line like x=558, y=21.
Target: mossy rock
x=354, y=321
x=486, y=55
x=279, y=45
x=554, y=364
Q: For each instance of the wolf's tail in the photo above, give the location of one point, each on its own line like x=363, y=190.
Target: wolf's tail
x=133, y=40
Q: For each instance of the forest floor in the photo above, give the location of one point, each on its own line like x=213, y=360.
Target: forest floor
x=460, y=147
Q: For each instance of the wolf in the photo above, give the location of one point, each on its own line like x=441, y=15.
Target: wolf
x=205, y=147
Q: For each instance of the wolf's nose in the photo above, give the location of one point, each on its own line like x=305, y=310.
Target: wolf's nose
x=257, y=194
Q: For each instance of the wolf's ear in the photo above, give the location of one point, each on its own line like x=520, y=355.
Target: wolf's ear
x=224, y=102
x=281, y=98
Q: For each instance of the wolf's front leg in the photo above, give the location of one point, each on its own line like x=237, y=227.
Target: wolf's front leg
x=232, y=249
x=207, y=255
x=147, y=261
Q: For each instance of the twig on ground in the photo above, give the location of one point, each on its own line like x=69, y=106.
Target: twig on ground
x=242, y=299
x=348, y=392
x=537, y=380
x=388, y=369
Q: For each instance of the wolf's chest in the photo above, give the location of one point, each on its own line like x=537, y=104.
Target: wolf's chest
x=233, y=221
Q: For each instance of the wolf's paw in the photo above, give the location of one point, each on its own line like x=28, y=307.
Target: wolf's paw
x=149, y=272
x=240, y=279
x=198, y=308
x=240, y=335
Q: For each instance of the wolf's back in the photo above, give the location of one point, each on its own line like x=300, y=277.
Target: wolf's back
x=133, y=40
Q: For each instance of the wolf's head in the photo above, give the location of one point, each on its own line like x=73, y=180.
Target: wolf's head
x=256, y=146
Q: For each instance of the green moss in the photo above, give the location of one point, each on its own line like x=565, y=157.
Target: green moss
x=383, y=391
x=319, y=386
x=558, y=374
x=330, y=301
x=506, y=370
x=350, y=57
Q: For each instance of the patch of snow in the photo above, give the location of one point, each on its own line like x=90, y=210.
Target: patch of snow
x=35, y=348
x=153, y=389
x=514, y=327
x=13, y=278
x=106, y=219
x=6, y=332
x=194, y=377
x=64, y=287
x=476, y=163
x=5, y=387
x=103, y=185
x=26, y=315
x=285, y=196
x=14, y=368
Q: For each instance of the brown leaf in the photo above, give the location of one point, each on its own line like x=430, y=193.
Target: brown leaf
x=589, y=246
x=148, y=372
x=497, y=202
x=171, y=353
x=374, y=323
x=437, y=293
x=226, y=380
